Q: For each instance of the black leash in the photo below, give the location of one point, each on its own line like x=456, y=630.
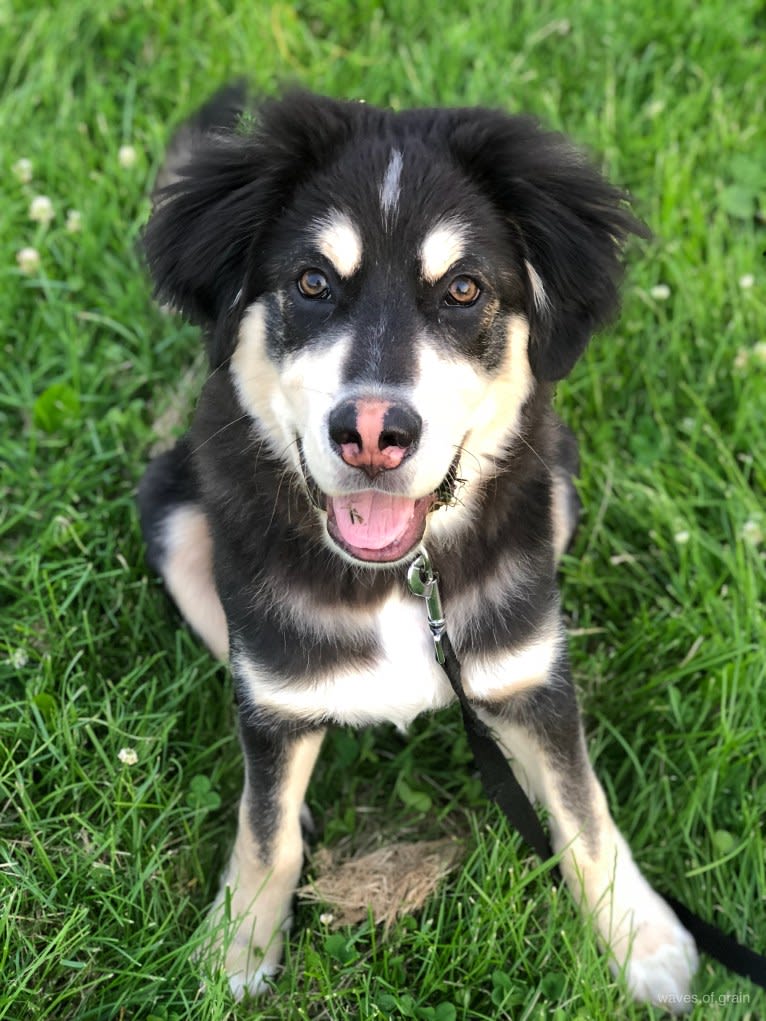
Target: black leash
x=502, y=787
x=497, y=777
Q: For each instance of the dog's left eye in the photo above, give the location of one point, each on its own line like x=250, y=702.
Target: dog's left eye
x=312, y=283
x=462, y=291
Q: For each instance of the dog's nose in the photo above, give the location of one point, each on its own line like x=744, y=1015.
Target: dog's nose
x=374, y=435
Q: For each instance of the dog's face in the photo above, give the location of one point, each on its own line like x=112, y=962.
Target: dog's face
x=387, y=291
x=384, y=333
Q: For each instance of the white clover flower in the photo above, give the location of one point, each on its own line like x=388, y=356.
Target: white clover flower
x=741, y=358
x=41, y=209
x=660, y=292
x=746, y=281
x=759, y=352
x=22, y=170
x=73, y=223
x=28, y=260
x=327, y=918
x=681, y=537
x=18, y=658
x=654, y=107
x=752, y=532
x=127, y=756
x=127, y=156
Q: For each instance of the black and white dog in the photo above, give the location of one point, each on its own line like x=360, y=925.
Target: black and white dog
x=387, y=299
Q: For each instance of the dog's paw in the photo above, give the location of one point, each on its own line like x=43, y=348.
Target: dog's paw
x=246, y=938
x=250, y=969
x=662, y=958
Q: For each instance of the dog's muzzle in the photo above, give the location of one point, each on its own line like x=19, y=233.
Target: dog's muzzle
x=374, y=526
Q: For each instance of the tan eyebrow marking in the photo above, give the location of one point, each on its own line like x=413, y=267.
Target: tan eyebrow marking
x=441, y=248
x=339, y=241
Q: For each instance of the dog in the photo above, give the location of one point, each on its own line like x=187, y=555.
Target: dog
x=387, y=300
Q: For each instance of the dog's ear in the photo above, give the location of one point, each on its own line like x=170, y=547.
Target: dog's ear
x=227, y=176
x=570, y=223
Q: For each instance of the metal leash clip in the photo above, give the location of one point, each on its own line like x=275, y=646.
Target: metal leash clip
x=424, y=582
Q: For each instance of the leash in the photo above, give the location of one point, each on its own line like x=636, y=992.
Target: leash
x=502, y=787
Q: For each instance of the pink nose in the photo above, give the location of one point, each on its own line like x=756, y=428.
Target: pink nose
x=374, y=435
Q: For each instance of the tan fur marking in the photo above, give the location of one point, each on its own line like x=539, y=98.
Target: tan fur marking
x=188, y=574
x=486, y=410
x=261, y=891
x=441, y=249
x=498, y=677
x=642, y=934
x=257, y=381
x=338, y=240
x=561, y=515
x=291, y=400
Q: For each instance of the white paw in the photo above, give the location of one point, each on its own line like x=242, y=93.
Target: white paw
x=249, y=970
x=247, y=945
x=663, y=958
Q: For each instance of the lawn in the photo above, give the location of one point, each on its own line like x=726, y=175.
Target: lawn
x=108, y=860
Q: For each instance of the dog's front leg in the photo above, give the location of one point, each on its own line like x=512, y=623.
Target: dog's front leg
x=541, y=732
x=259, y=882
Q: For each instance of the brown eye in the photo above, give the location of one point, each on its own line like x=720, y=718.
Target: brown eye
x=462, y=291
x=312, y=283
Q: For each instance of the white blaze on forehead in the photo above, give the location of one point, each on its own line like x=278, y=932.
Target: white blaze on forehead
x=391, y=186
x=339, y=241
x=441, y=248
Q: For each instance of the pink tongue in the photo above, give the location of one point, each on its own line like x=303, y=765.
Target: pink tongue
x=372, y=520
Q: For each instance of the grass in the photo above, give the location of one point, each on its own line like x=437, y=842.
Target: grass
x=106, y=867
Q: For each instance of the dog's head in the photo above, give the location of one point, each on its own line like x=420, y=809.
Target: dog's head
x=388, y=290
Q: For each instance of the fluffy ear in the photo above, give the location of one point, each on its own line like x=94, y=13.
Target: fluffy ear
x=570, y=223
x=225, y=181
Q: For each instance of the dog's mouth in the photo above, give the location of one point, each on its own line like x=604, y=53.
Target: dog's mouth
x=377, y=527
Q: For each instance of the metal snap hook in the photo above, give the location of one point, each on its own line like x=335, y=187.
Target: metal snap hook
x=423, y=581
x=420, y=574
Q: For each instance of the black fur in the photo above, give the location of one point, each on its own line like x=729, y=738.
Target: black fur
x=266, y=746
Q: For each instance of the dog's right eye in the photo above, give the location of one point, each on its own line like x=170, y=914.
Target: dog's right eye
x=312, y=283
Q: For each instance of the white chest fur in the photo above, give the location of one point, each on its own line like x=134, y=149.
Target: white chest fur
x=405, y=679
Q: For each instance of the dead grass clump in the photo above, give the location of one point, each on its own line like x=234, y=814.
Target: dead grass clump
x=390, y=882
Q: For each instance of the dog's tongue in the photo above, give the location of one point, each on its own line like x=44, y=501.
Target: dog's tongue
x=372, y=520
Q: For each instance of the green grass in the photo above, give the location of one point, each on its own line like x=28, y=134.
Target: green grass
x=106, y=868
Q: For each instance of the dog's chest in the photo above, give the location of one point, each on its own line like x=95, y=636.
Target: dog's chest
x=402, y=680
x=407, y=680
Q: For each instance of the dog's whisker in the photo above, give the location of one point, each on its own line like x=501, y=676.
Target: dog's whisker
x=218, y=432
x=522, y=439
